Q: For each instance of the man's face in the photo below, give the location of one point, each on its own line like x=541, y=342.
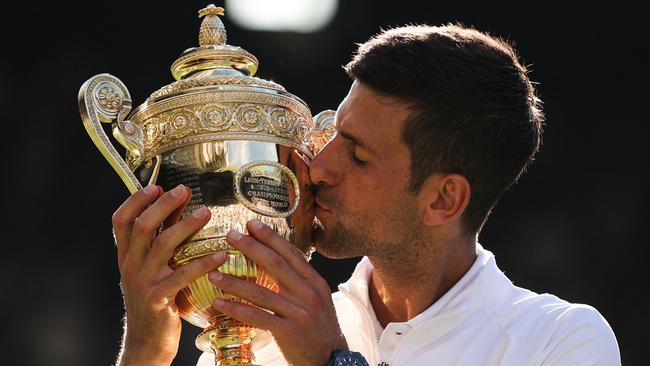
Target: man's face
x=363, y=204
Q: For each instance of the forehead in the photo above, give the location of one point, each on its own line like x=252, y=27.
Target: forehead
x=374, y=119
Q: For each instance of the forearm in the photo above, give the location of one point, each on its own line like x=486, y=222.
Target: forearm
x=134, y=353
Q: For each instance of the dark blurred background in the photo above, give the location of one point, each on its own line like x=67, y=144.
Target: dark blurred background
x=573, y=226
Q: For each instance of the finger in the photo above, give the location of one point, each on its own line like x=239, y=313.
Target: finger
x=175, y=216
x=274, y=264
x=125, y=215
x=267, y=236
x=167, y=241
x=253, y=293
x=146, y=225
x=254, y=316
x=188, y=273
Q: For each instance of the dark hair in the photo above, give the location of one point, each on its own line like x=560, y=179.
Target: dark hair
x=475, y=111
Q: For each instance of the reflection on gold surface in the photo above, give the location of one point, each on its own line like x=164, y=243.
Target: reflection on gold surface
x=241, y=144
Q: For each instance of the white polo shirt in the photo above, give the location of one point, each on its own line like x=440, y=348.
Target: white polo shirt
x=482, y=320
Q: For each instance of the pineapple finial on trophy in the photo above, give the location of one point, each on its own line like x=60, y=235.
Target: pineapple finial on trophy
x=213, y=57
x=212, y=31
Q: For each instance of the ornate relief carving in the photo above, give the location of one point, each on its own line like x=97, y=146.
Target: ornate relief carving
x=173, y=127
x=109, y=97
x=104, y=98
x=212, y=80
x=324, y=130
x=216, y=117
x=199, y=248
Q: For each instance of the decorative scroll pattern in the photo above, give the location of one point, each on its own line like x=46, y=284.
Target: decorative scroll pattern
x=199, y=248
x=104, y=98
x=324, y=130
x=206, y=116
x=212, y=80
x=202, y=114
x=236, y=353
x=110, y=98
x=223, y=321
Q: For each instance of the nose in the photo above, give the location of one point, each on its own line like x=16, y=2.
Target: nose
x=322, y=170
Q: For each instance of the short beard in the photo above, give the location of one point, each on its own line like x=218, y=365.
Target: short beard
x=339, y=242
x=354, y=240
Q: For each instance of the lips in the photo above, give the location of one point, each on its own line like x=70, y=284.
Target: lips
x=319, y=204
x=320, y=211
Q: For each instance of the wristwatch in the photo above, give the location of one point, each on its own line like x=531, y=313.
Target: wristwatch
x=346, y=358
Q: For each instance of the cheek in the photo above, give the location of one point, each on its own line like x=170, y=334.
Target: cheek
x=373, y=197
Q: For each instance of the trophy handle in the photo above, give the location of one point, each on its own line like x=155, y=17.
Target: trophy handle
x=104, y=98
x=324, y=130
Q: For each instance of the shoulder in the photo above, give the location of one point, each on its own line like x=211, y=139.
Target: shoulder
x=559, y=332
x=555, y=331
x=578, y=335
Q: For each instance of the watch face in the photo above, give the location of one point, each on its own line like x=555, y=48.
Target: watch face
x=347, y=358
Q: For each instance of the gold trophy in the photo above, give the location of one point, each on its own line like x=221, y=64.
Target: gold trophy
x=240, y=143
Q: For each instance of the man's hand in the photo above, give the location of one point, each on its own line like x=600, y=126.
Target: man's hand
x=153, y=326
x=304, y=321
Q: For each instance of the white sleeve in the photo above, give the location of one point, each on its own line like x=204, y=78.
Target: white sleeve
x=206, y=359
x=583, y=337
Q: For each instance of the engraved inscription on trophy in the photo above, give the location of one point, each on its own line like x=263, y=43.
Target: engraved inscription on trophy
x=268, y=188
x=266, y=191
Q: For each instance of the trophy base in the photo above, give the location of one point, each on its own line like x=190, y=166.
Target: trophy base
x=232, y=341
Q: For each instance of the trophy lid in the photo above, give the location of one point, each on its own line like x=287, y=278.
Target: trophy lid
x=216, y=97
x=213, y=52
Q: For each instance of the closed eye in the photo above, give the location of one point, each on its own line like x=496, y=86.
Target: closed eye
x=355, y=158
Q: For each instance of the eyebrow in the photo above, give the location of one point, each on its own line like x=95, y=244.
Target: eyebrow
x=346, y=135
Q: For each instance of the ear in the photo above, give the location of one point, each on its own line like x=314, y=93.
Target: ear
x=443, y=198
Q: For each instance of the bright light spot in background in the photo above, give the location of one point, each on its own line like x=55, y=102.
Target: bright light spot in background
x=302, y=16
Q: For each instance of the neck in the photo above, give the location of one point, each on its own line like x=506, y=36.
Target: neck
x=399, y=290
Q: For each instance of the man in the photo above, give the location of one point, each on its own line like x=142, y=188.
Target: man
x=438, y=123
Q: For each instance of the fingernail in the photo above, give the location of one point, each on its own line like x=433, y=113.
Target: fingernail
x=200, y=213
x=150, y=190
x=256, y=224
x=216, y=276
x=178, y=191
x=234, y=235
x=219, y=255
x=218, y=302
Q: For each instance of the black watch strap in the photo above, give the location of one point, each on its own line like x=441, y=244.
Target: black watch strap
x=346, y=358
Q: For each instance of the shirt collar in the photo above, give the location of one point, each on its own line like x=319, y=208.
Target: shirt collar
x=461, y=296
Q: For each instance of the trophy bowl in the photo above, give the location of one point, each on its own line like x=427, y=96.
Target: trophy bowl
x=241, y=144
